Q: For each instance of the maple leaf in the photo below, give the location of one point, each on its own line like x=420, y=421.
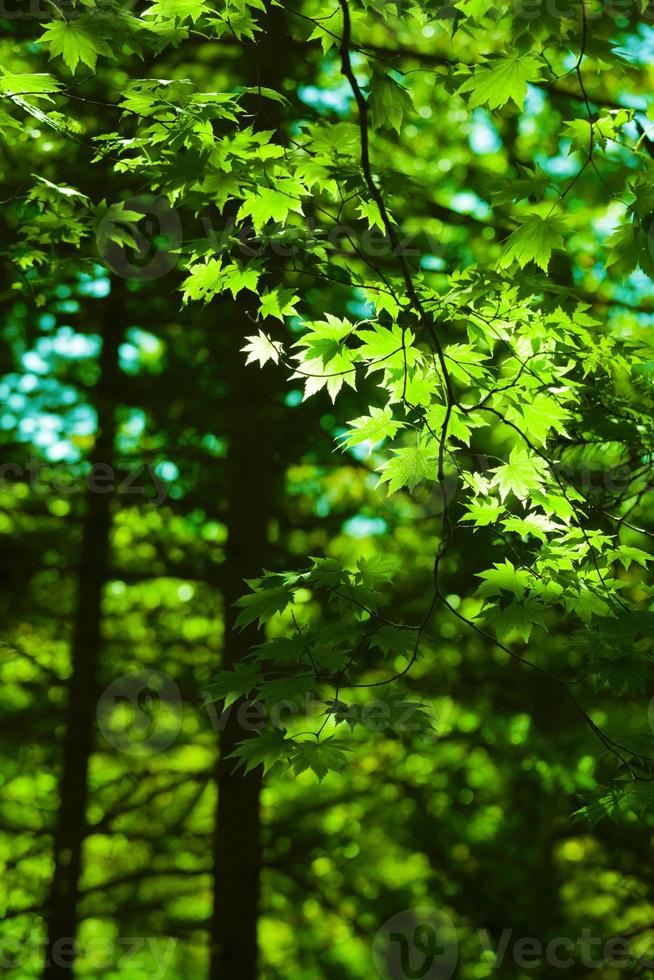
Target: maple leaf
x=515, y=622
x=278, y=303
x=503, y=79
x=319, y=757
x=535, y=524
x=230, y=685
x=75, y=40
x=206, y=279
x=537, y=417
x=266, y=749
x=263, y=603
x=39, y=85
x=272, y=203
x=504, y=577
x=262, y=349
x=389, y=102
x=534, y=241
x=520, y=476
x=483, y=512
x=370, y=211
x=408, y=467
x=371, y=428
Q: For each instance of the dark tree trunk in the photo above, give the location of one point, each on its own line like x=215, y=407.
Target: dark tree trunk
x=71, y=825
x=253, y=474
x=250, y=507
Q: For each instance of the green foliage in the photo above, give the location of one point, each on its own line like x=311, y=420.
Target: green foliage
x=505, y=78
x=435, y=220
x=534, y=241
x=389, y=102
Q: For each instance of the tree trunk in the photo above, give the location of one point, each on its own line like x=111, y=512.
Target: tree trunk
x=251, y=479
x=71, y=826
x=253, y=476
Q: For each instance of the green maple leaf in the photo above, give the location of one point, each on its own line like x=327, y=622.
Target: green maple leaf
x=39, y=85
x=503, y=79
x=504, y=577
x=278, y=303
x=460, y=424
x=263, y=603
x=57, y=190
x=586, y=604
x=533, y=184
x=536, y=418
x=262, y=349
x=317, y=375
x=319, y=757
x=326, y=361
x=389, y=102
x=370, y=211
x=408, y=467
x=75, y=40
x=483, y=512
x=625, y=244
x=371, y=428
x=265, y=749
x=116, y=223
x=626, y=555
x=230, y=685
x=287, y=689
x=325, y=338
x=515, y=622
x=537, y=525
x=520, y=476
x=534, y=241
x=273, y=203
x=207, y=279
x=178, y=10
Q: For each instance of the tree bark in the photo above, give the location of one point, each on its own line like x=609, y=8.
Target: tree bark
x=251, y=478
x=71, y=824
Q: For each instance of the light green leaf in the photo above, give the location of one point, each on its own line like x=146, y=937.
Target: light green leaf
x=40, y=85
x=520, y=476
x=262, y=349
x=534, y=241
x=408, y=467
x=278, y=303
x=504, y=577
x=389, y=102
x=626, y=555
x=538, y=416
x=75, y=40
x=535, y=524
x=371, y=428
x=503, y=79
x=483, y=512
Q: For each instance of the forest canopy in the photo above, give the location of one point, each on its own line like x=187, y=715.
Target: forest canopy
x=327, y=431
